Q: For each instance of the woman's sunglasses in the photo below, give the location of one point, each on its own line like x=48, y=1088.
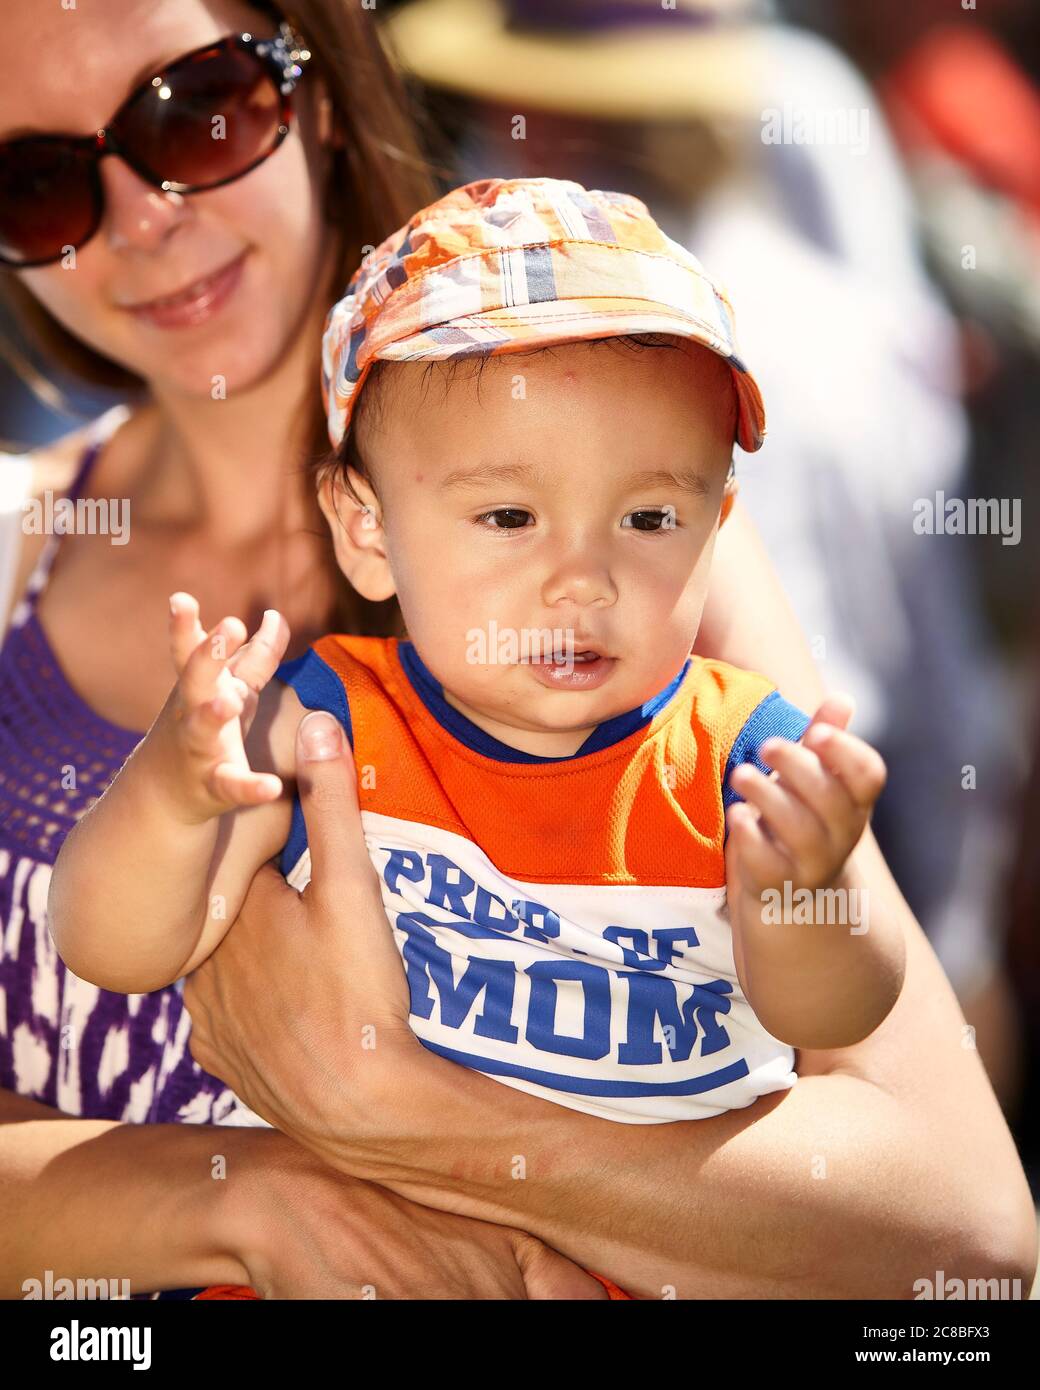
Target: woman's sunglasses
x=203, y=121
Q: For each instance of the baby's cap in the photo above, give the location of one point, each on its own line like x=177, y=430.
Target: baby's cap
x=508, y=265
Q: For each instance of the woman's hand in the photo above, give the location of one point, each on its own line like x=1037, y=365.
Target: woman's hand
x=302, y=1231
x=303, y=1007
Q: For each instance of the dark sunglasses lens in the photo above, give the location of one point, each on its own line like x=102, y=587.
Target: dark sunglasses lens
x=48, y=199
x=206, y=120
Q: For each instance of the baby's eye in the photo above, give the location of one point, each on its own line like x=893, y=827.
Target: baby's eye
x=651, y=519
x=504, y=518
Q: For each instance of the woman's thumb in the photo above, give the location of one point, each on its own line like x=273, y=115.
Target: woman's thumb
x=327, y=785
x=343, y=878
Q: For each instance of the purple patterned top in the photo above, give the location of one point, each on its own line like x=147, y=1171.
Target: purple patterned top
x=65, y=1042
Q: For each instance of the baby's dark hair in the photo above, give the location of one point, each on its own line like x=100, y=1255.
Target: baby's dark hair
x=372, y=403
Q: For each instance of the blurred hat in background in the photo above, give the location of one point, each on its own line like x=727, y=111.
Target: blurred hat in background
x=616, y=59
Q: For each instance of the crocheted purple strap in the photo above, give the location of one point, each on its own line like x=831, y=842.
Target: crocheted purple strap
x=85, y=465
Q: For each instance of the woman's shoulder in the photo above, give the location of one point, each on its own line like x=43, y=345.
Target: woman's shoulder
x=52, y=465
x=55, y=465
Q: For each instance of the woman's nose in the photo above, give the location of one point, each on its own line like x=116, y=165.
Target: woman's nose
x=137, y=216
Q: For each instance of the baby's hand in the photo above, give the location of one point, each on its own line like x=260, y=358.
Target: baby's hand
x=802, y=823
x=219, y=677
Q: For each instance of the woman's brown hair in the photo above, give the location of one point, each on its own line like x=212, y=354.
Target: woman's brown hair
x=378, y=178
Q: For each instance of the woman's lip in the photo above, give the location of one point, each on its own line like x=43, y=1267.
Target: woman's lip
x=195, y=304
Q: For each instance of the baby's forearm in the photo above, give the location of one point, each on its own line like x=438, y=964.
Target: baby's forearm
x=129, y=893
x=819, y=969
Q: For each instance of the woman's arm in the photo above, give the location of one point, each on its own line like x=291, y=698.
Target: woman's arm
x=94, y=1198
x=748, y=619
x=181, y=1206
x=886, y=1161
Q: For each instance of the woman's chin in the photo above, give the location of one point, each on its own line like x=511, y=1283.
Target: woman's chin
x=211, y=373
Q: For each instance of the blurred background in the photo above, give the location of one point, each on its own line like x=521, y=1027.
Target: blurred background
x=865, y=181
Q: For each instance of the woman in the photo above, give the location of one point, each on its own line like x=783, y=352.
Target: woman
x=286, y=1223
x=203, y=462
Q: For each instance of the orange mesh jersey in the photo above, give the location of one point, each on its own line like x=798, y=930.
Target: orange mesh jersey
x=562, y=921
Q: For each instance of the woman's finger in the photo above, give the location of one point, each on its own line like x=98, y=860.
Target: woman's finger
x=328, y=795
x=341, y=869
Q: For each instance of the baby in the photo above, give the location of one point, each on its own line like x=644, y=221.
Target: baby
x=584, y=861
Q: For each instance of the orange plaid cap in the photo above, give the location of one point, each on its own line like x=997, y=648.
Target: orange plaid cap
x=507, y=265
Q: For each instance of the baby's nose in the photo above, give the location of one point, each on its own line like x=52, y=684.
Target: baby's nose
x=585, y=582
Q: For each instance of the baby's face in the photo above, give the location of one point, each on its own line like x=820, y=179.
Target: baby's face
x=548, y=529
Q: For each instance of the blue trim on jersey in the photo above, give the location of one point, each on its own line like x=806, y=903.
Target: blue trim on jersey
x=317, y=687
x=583, y=1086
x=472, y=736
x=618, y=728
x=775, y=717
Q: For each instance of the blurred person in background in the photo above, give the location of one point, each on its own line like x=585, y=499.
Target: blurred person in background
x=961, y=90
x=961, y=87
x=696, y=110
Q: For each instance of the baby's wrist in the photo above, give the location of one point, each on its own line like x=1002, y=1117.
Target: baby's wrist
x=795, y=898
x=175, y=788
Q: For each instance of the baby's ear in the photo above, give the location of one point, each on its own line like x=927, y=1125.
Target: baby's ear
x=729, y=495
x=357, y=534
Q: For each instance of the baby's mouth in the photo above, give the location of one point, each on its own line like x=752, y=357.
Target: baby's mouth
x=583, y=668
x=566, y=658
x=571, y=650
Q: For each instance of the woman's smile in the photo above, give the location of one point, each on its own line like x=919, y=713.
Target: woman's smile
x=196, y=303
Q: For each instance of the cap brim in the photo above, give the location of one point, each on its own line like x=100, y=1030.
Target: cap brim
x=521, y=328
